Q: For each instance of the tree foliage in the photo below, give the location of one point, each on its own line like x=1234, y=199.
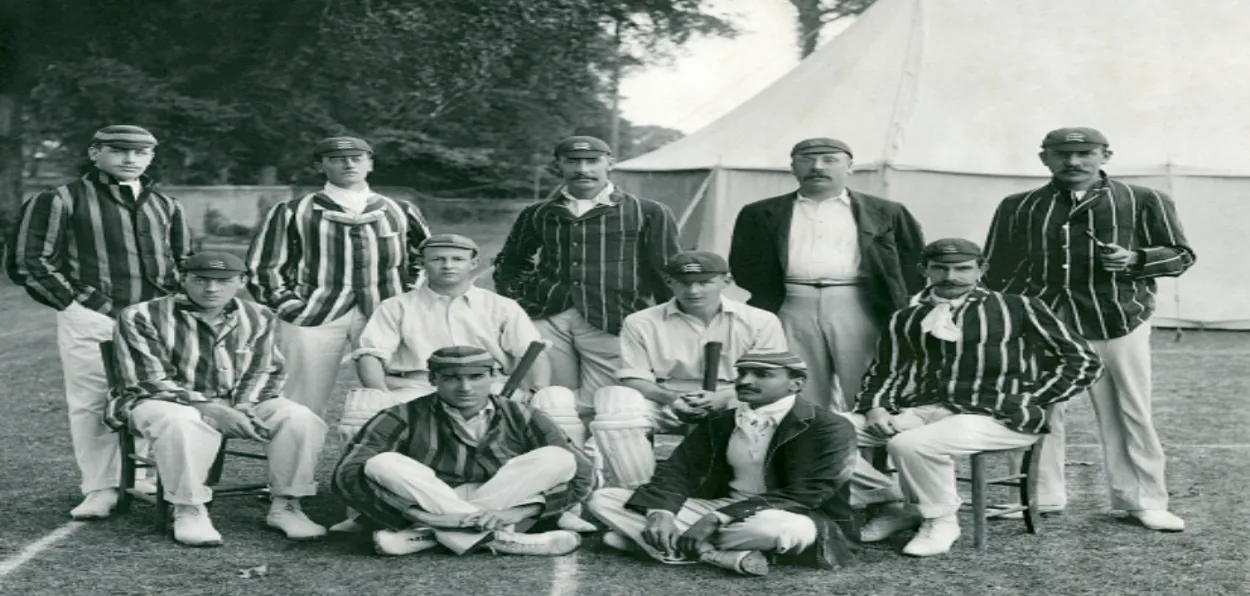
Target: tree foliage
x=813, y=15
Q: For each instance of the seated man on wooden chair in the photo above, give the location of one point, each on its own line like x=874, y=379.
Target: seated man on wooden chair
x=464, y=468
x=960, y=371
x=200, y=365
x=663, y=361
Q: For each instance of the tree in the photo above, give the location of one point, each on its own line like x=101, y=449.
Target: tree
x=813, y=15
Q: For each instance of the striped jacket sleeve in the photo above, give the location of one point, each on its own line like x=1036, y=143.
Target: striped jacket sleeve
x=264, y=376
x=180, y=237
x=1001, y=249
x=384, y=433
x=273, y=256
x=1076, y=365
x=544, y=432
x=418, y=231
x=515, y=259
x=1166, y=252
x=889, y=375
x=37, y=249
x=145, y=364
x=661, y=239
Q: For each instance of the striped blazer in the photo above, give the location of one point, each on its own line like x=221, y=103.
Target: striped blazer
x=607, y=264
x=92, y=242
x=165, y=350
x=423, y=430
x=1039, y=245
x=1015, y=359
x=312, y=261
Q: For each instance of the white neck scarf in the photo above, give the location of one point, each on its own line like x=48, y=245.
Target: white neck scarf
x=940, y=322
x=354, y=201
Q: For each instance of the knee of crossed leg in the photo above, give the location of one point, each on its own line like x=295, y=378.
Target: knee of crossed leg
x=905, y=444
x=384, y=465
x=559, y=461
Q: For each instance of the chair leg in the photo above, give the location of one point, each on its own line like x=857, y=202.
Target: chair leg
x=978, y=499
x=1028, y=488
x=214, y=472
x=160, y=513
x=124, y=498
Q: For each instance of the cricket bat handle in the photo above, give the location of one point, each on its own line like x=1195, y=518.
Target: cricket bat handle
x=711, y=364
x=523, y=367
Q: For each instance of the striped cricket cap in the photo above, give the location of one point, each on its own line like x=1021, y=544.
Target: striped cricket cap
x=449, y=241
x=461, y=359
x=124, y=136
x=785, y=359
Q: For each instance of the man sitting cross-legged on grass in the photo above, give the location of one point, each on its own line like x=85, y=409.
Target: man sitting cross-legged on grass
x=200, y=365
x=963, y=370
x=768, y=476
x=462, y=467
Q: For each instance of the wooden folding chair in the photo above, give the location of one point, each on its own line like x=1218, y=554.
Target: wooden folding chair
x=132, y=461
x=1025, y=481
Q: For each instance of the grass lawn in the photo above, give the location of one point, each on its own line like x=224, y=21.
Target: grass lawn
x=1200, y=409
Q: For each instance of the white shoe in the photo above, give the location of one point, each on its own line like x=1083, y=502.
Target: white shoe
x=619, y=541
x=98, y=504
x=934, y=538
x=404, y=542
x=350, y=525
x=574, y=523
x=552, y=544
x=890, y=520
x=192, y=526
x=145, y=486
x=1159, y=519
x=285, y=515
x=745, y=562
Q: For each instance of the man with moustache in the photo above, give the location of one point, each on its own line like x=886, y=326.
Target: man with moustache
x=325, y=261
x=1091, y=247
x=764, y=479
x=962, y=370
x=662, y=362
x=833, y=263
x=463, y=468
x=582, y=261
x=202, y=365
x=89, y=249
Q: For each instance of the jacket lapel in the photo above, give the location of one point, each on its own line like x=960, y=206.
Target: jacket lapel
x=797, y=421
x=781, y=216
x=869, y=219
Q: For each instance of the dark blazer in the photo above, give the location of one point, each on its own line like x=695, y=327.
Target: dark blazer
x=807, y=470
x=890, y=241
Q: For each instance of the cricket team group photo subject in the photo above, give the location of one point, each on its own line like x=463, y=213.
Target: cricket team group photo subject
x=610, y=385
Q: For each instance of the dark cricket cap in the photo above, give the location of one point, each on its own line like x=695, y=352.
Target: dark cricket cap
x=124, y=136
x=820, y=145
x=461, y=359
x=1076, y=138
x=951, y=250
x=220, y=265
x=450, y=241
x=783, y=359
x=335, y=146
x=696, y=265
x=581, y=146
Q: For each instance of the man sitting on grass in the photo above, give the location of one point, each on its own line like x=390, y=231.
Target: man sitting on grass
x=768, y=476
x=462, y=468
x=200, y=365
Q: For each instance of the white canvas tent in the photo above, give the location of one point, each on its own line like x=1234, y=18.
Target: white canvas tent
x=945, y=103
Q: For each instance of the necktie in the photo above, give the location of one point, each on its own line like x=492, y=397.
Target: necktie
x=941, y=324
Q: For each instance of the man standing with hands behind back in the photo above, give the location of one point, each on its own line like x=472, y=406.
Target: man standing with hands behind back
x=1090, y=247
x=832, y=263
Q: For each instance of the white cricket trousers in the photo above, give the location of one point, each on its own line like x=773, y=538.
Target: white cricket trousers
x=184, y=446
x=79, y=333
x=924, y=451
x=313, y=356
x=582, y=357
x=1133, y=458
x=834, y=331
x=522, y=480
x=769, y=530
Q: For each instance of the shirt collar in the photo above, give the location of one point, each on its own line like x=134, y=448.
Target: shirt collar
x=844, y=198
x=603, y=198
x=488, y=411
x=727, y=306
x=103, y=177
x=773, y=412
x=425, y=293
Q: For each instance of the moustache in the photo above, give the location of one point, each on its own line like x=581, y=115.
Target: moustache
x=746, y=388
x=816, y=177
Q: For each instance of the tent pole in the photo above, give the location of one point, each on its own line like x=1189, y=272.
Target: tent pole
x=694, y=202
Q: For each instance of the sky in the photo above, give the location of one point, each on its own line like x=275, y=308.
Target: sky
x=713, y=75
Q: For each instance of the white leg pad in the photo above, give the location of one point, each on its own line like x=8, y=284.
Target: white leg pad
x=560, y=403
x=622, y=422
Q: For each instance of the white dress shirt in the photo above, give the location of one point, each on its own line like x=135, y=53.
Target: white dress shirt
x=354, y=201
x=748, y=445
x=824, y=240
x=473, y=427
x=579, y=207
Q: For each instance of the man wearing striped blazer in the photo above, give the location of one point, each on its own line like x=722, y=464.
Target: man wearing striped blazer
x=89, y=249
x=962, y=370
x=326, y=260
x=584, y=260
x=464, y=468
x=1090, y=247
x=200, y=365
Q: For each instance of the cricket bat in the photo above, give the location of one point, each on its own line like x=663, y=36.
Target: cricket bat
x=523, y=367
x=711, y=364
